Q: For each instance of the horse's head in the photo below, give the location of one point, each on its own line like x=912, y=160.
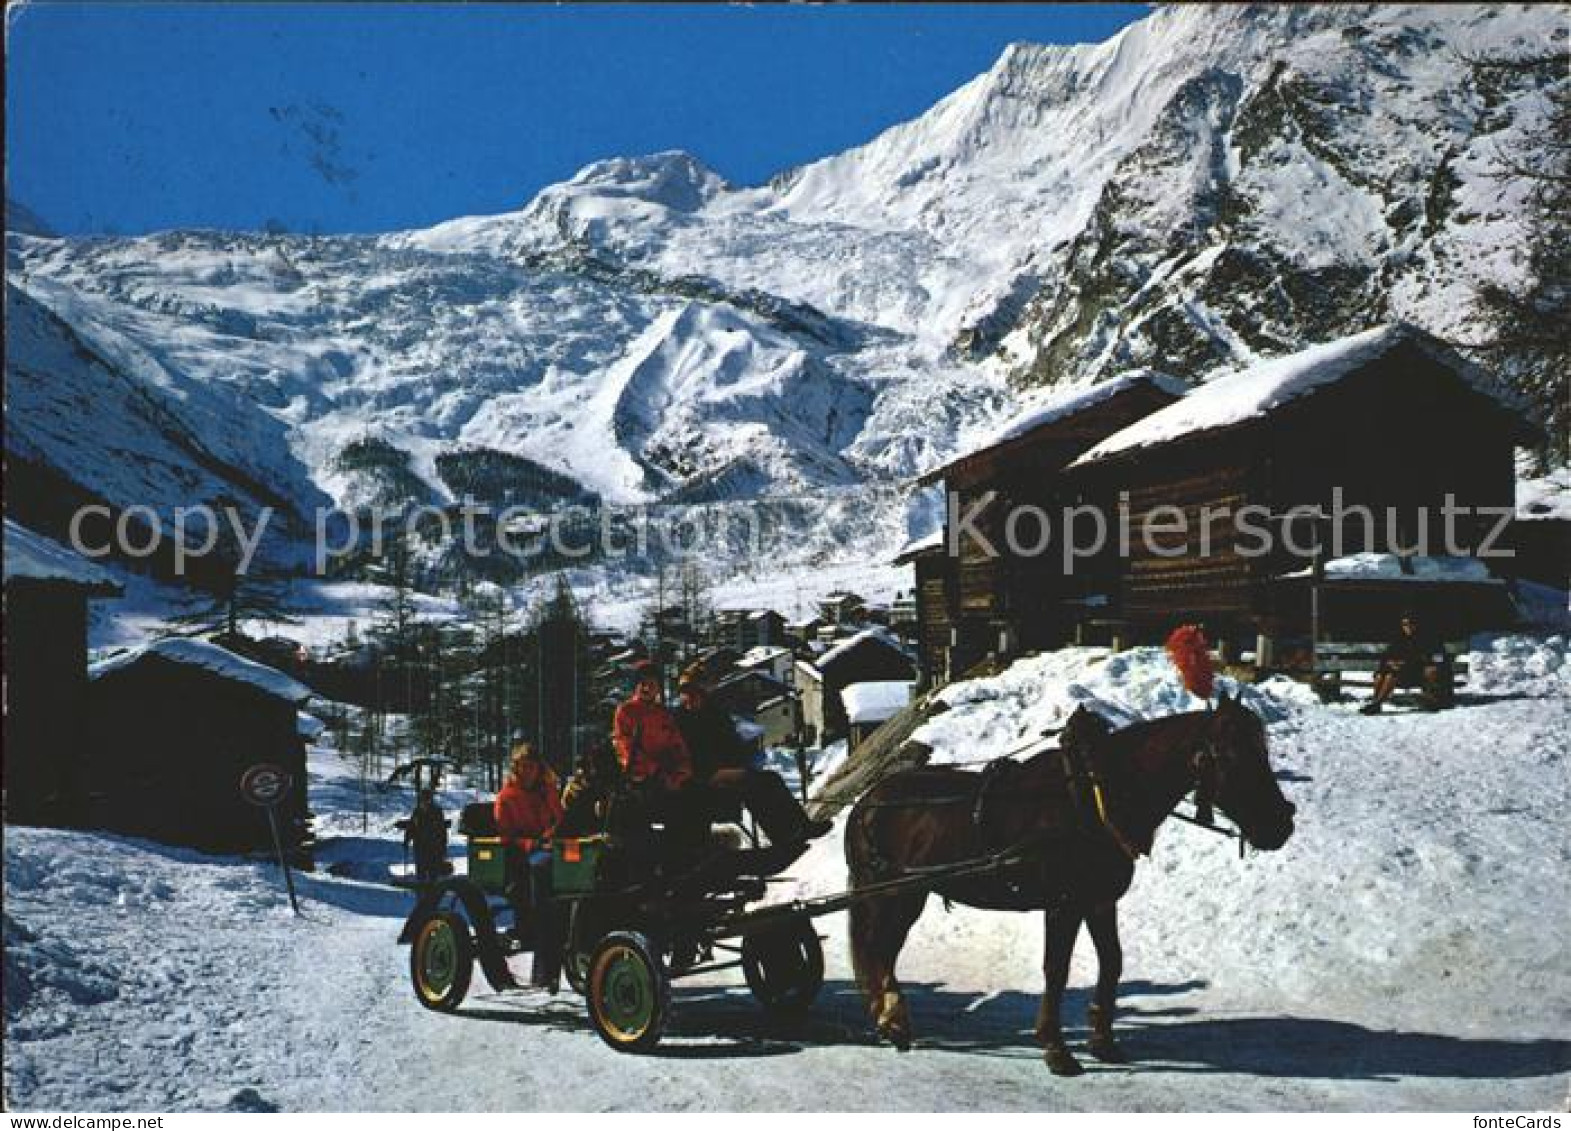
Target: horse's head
x=1233, y=772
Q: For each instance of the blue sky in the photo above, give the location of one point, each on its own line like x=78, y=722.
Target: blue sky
x=126, y=117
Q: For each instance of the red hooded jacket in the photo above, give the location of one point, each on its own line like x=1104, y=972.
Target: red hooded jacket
x=649, y=743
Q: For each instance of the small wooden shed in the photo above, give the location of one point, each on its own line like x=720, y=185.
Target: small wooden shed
x=174, y=725
x=871, y=655
x=47, y=588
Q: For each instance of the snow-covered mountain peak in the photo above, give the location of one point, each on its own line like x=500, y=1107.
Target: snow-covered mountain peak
x=673, y=179
x=1212, y=186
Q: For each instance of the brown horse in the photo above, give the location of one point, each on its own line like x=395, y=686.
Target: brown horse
x=1080, y=845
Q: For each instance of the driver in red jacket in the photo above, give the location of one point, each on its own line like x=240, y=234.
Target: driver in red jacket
x=649, y=744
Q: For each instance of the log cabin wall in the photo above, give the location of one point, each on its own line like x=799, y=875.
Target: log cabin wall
x=996, y=596
x=1400, y=433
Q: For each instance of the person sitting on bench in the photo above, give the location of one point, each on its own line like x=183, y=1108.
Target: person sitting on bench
x=1413, y=660
x=527, y=812
x=720, y=767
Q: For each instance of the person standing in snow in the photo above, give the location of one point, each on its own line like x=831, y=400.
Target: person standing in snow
x=528, y=809
x=1413, y=660
x=720, y=767
x=426, y=832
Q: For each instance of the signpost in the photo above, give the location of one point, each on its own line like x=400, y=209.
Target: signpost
x=265, y=785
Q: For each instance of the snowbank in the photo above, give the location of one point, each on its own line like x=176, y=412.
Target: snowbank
x=1522, y=665
x=1007, y=713
x=1393, y=567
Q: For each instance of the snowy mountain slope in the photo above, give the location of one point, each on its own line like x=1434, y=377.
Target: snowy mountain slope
x=1211, y=185
x=127, y=433
x=1399, y=953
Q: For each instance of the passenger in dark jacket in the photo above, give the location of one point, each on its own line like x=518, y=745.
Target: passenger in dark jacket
x=426, y=832
x=720, y=767
x=1413, y=659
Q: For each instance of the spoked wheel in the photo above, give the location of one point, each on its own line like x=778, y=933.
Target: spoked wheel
x=441, y=961
x=784, y=967
x=629, y=993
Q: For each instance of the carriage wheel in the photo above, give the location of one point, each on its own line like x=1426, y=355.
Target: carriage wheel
x=578, y=949
x=441, y=961
x=784, y=967
x=629, y=993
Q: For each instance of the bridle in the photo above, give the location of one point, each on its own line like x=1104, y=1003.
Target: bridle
x=1207, y=765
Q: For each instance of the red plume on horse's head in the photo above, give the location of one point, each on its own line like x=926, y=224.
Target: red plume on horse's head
x=1191, y=655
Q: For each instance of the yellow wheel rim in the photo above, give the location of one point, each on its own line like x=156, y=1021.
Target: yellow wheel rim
x=437, y=968
x=622, y=988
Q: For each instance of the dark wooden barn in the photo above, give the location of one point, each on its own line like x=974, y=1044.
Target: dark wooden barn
x=1392, y=418
x=173, y=726
x=978, y=591
x=47, y=588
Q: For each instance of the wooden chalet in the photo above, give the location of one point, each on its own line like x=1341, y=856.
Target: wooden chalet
x=971, y=601
x=173, y=727
x=1392, y=417
x=47, y=588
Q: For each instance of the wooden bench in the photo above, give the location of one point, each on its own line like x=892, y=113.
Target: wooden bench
x=1343, y=666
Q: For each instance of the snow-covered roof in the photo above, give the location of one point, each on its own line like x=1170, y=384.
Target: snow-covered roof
x=1064, y=403
x=219, y=661
x=761, y=655
x=308, y=726
x=842, y=648
x=33, y=557
x=1389, y=567
x=921, y=545
x=1061, y=404
x=875, y=701
x=1260, y=389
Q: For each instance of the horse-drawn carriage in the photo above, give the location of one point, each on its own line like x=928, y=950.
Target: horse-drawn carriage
x=1059, y=832
x=635, y=915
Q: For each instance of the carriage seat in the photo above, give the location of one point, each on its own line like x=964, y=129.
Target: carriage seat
x=478, y=819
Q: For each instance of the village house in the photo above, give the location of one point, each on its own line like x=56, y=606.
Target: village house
x=773, y=659
x=47, y=588
x=745, y=629
x=870, y=655
x=840, y=608
x=173, y=726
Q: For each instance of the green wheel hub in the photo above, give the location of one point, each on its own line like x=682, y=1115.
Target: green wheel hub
x=438, y=958
x=627, y=993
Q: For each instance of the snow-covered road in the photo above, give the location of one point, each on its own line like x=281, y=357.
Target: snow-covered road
x=1407, y=949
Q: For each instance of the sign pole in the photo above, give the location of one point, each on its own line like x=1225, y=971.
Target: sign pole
x=264, y=786
x=283, y=861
